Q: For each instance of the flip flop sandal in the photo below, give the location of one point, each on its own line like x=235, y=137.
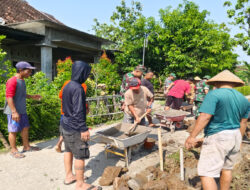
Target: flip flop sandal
x=69, y=183
x=92, y=187
x=32, y=149
x=17, y=155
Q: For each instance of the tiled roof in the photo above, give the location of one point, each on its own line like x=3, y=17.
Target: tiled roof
x=14, y=11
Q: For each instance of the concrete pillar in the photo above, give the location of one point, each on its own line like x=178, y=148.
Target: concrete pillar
x=46, y=61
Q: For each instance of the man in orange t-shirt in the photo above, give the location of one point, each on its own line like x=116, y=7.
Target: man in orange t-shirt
x=59, y=143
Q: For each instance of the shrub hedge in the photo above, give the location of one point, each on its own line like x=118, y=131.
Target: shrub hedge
x=44, y=115
x=245, y=90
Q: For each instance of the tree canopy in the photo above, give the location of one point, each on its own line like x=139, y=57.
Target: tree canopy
x=240, y=13
x=183, y=41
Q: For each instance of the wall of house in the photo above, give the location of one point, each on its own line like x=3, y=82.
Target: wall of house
x=17, y=53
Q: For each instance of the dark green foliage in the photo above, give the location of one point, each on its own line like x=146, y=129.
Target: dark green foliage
x=6, y=70
x=243, y=72
x=184, y=41
x=240, y=14
x=43, y=115
x=194, y=46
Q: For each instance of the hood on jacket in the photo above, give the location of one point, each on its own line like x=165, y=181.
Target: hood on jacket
x=80, y=71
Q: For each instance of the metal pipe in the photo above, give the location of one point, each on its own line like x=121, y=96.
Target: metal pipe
x=145, y=44
x=143, y=53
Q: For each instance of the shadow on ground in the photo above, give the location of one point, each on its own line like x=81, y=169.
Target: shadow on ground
x=48, y=144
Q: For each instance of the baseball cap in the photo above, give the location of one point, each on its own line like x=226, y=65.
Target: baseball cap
x=173, y=75
x=134, y=83
x=24, y=65
x=140, y=68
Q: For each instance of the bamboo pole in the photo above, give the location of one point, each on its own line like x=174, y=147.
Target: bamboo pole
x=181, y=164
x=160, y=148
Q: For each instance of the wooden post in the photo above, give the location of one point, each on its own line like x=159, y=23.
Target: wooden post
x=160, y=148
x=114, y=104
x=181, y=164
x=126, y=157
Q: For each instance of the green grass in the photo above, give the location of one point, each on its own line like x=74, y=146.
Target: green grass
x=175, y=156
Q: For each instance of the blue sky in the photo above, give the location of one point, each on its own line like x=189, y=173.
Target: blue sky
x=79, y=14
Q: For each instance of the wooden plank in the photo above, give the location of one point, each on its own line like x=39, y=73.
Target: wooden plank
x=181, y=164
x=160, y=148
x=105, y=114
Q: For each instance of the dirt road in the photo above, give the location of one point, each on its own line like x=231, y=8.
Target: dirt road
x=45, y=170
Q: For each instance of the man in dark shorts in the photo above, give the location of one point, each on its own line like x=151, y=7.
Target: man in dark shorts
x=176, y=92
x=74, y=128
x=223, y=116
x=15, y=109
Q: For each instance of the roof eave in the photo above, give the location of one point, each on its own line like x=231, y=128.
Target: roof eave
x=67, y=28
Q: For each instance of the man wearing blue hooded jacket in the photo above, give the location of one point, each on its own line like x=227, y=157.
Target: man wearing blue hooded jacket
x=74, y=128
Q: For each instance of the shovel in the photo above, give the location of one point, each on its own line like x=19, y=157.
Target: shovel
x=132, y=128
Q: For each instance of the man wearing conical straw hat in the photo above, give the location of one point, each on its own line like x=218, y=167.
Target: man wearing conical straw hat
x=223, y=116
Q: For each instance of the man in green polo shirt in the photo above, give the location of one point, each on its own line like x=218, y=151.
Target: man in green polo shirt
x=223, y=116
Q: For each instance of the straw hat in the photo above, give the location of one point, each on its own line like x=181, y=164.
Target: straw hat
x=226, y=76
x=197, y=78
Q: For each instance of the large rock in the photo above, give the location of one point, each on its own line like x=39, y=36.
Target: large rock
x=141, y=178
x=156, y=185
x=133, y=184
x=120, y=183
x=109, y=174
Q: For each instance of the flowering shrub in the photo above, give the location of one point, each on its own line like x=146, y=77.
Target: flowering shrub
x=63, y=72
x=105, y=72
x=64, y=69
